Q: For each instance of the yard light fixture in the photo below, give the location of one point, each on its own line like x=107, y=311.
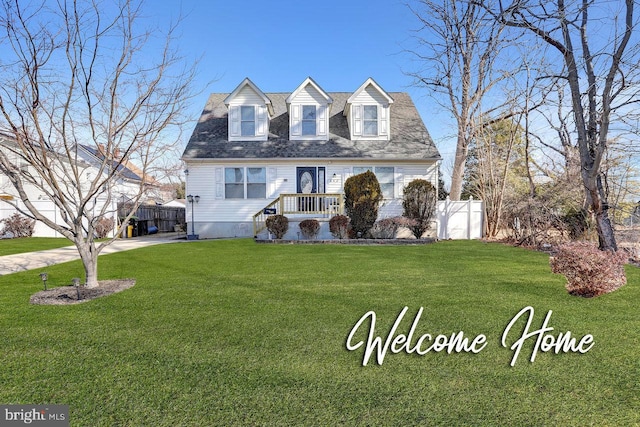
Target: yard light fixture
x=44, y=277
x=76, y=282
x=191, y=199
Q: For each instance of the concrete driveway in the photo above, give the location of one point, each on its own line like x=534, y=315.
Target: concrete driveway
x=10, y=264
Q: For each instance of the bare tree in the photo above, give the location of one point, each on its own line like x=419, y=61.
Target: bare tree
x=457, y=45
x=497, y=172
x=85, y=72
x=600, y=76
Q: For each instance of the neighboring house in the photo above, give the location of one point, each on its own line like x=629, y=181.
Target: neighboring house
x=176, y=203
x=123, y=189
x=253, y=150
x=127, y=185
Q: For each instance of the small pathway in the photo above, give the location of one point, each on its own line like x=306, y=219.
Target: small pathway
x=10, y=264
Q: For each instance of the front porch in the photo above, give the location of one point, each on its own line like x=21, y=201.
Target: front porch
x=300, y=206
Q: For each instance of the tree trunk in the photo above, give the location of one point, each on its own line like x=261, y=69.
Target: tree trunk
x=89, y=256
x=457, y=176
x=600, y=208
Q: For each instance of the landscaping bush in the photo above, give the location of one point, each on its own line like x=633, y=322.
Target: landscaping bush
x=384, y=229
x=339, y=226
x=277, y=225
x=589, y=271
x=104, y=227
x=387, y=228
x=310, y=228
x=18, y=226
x=419, y=204
x=577, y=222
x=362, y=196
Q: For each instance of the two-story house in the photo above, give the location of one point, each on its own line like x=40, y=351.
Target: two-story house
x=292, y=152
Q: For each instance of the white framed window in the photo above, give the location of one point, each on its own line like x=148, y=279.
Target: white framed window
x=247, y=121
x=370, y=120
x=234, y=183
x=256, y=183
x=309, y=120
x=385, y=175
x=245, y=183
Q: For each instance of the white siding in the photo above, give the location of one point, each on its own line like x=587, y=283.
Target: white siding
x=370, y=96
x=309, y=95
x=247, y=96
x=429, y=173
x=204, y=179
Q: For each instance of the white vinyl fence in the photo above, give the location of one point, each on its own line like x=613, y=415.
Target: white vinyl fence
x=460, y=219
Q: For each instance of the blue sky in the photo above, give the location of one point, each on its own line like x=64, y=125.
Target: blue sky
x=278, y=43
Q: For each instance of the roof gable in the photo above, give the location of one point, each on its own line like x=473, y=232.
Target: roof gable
x=370, y=82
x=248, y=83
x=309, y=82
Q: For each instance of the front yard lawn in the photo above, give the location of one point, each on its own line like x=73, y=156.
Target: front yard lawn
x=235, y=333
x=31, y=244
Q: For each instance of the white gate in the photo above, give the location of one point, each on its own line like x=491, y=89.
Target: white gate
x=460, y=219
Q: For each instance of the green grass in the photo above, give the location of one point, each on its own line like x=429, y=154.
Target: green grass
x=31, y=244
x=237, y=333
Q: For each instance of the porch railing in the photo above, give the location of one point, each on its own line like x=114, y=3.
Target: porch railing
x=322, y=205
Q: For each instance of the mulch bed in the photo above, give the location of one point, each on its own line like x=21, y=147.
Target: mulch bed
x=67, y=295
x=350, y=241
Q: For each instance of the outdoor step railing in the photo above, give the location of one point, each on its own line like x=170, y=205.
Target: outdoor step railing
x=322, y=205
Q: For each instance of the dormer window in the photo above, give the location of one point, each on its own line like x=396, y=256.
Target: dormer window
x=309, y=120
x=368, y=113
x=370, y=120
x=308, y=108
x=249, y=113
x=248, y=121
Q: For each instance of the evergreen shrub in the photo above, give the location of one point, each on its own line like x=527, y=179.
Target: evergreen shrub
x=362, y=197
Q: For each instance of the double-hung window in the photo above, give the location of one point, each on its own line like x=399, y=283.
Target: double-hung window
x=256, y=183
x=370, y=121
x=385, y=175
x=247, y=121
x=234, y=183
x=309, y=120
x=245, y=183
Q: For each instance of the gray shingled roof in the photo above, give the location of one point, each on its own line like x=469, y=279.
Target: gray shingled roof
x=123, y=170
x=410, y=139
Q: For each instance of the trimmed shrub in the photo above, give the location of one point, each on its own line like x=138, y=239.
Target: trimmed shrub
x=362, y=196
x=277, y=225
x=384, y=229
x=419, y=204
x=103, y=227
x=18, y=226
x=310, y=228
x=339, y=226
x=589, y=271
x=387, y=228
